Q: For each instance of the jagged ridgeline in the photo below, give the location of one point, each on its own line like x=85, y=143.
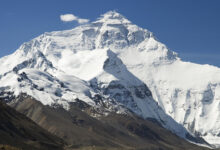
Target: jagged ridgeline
x=113, y=66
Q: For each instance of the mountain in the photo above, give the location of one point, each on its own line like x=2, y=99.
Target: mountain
x=19, y=131
x=115, y=66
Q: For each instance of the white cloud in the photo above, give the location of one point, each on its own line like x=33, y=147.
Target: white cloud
x=82, y=21
x=72, y=17
x=68, y=17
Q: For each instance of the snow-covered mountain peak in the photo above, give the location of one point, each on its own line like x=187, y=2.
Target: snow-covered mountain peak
x=111, y=30
x=120, y=62
x=113, y=17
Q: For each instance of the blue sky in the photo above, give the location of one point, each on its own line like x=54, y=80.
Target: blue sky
x=189, y=27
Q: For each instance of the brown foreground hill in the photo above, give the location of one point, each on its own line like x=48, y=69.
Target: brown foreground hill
x=17, y=132
x=81, y=131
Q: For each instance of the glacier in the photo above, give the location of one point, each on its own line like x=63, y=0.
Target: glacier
x=114, y=63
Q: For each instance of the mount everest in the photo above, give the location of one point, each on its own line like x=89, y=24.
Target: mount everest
x=115, y=66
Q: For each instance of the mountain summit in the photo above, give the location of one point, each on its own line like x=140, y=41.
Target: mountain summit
x=116, y=66
x=113, y=16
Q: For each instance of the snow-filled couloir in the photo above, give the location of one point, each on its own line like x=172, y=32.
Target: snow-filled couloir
x=126, y=66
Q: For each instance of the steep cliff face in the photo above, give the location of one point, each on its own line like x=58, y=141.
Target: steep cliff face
x=116, y=66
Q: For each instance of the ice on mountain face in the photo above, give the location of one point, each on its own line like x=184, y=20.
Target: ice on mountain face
x=112, y=62
x=126, y=89
x=59, y=89
x=117, y=32
x=84, y=64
